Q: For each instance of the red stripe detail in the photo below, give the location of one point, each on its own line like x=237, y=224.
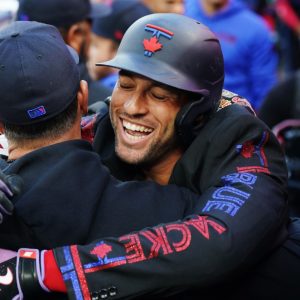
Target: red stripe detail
x=80, y=273
x=262, y=150
x=253, y=169
x=160, y=29
x=108, y=266
x=53, y=279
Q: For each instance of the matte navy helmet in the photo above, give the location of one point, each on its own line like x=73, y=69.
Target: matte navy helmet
x=180, y=52
x=174, y=50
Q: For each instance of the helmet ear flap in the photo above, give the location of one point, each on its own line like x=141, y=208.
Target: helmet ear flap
x=186, y=124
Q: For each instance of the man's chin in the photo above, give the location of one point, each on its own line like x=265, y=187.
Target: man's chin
x=129, y=157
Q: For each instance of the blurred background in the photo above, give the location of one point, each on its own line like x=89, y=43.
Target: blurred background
x=8, y=9
x=259, y=38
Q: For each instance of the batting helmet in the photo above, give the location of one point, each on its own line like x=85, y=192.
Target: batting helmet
x=176, y=51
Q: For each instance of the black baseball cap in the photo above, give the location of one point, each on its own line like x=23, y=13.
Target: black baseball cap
x=38, y=73
x=122, y=14
x=60, y=13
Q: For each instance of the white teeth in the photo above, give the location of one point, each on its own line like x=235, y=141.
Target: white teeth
x=135, y=137
x=135, y=127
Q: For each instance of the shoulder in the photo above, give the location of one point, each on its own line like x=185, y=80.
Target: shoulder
x=229, y=98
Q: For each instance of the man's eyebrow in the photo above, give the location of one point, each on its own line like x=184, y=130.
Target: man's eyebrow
x=125, y=73
x=154, y=83
x=166, y=88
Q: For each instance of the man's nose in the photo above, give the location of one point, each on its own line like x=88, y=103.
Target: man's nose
x=136, y=105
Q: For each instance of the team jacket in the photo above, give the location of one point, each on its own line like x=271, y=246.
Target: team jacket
x=237, y=168
x=70, y=197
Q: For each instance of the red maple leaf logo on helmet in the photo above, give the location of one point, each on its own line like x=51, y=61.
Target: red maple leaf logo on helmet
x=152, y=45
x=101, y=250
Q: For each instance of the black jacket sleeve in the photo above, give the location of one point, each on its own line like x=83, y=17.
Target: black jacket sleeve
x=238, y=169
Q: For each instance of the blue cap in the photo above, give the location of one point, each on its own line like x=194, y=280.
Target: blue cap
x=123, y=13
x=60, y=13
x=38, y=73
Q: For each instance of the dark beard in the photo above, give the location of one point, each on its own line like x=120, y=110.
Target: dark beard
x=157, y=152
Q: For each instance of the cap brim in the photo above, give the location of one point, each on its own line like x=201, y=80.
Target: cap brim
x=154, y=70
x=73, y=54
x=99, y=10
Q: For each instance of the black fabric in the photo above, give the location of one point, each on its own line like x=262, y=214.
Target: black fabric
x=3, y=162
x=69, y=197
x=54, y=12
x=249, y=237
x=281, y=103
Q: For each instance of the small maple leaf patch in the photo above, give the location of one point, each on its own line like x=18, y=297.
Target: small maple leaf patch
x=101, y=250
x=247, y=149
x=152, y=45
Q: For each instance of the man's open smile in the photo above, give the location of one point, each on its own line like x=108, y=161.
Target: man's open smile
x=135, y=132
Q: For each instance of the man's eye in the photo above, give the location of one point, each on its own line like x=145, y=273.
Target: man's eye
x=158, y=96
x=125, y=85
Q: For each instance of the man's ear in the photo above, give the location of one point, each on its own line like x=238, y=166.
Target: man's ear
x=74, y=37
x=83, y=97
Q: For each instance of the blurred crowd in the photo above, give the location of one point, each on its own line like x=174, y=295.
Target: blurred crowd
x=259, y=38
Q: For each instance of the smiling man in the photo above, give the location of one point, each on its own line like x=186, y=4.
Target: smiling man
x=171, y=122
x=147, y=137
x=165, y=6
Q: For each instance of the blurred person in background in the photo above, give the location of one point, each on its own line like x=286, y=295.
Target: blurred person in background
x=73, y=18
x=107, y=33
x=165, y=6
x=107, y=2
x=281, y=111
x=251, y=61
x=288, y=134
x=288, y=28
x=282, y=102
